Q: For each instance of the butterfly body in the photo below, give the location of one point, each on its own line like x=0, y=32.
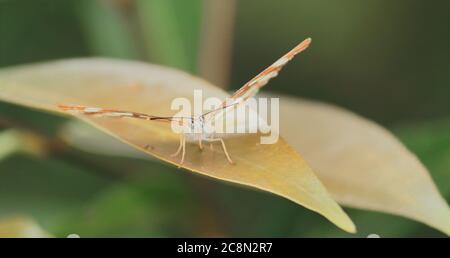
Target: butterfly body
x=197, y=130
x=203, y=128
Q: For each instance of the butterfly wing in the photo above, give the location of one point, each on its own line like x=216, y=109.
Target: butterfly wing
x=252, y=87
x=220, y=114
x=106, y=112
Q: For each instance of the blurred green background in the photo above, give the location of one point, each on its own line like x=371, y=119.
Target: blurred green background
x=386, y=60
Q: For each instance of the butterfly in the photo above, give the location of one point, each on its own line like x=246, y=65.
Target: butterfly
x=198, y=124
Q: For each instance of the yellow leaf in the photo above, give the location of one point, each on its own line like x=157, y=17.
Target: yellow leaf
x=145, y=88
x=361, y=164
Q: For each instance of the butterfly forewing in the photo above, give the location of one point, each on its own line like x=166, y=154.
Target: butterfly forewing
x=220, y=115
x=106, y=112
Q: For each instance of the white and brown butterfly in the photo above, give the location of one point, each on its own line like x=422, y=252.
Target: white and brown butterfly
x=198, y=124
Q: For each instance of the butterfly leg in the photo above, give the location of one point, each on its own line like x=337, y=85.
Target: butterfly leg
x=183, y=152
x=223, y=147
x=179, y=147
x=200, y=142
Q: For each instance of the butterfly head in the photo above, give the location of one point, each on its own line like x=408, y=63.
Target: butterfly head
x=195, y=125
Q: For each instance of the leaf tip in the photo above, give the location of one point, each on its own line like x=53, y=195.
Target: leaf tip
x=340, y=218
x=346, y=224
x=446, y=227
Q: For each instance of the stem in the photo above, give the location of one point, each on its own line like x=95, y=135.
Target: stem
x=214, y=59
x=129, y=15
